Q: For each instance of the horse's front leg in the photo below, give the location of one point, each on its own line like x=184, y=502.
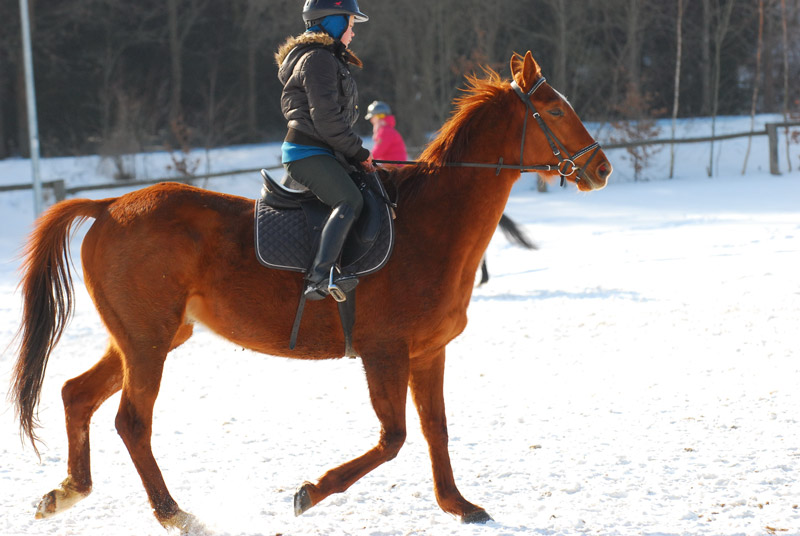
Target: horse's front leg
x=426, y=382
x=387, y=378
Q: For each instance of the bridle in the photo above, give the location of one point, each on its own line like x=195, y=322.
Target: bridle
x=566, y=164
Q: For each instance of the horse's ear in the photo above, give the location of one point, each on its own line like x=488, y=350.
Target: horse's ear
x=525, y=70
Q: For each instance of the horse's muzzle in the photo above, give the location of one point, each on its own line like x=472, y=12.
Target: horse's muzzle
x=596, y=177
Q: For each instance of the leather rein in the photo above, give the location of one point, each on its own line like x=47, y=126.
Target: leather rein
x=566, y=164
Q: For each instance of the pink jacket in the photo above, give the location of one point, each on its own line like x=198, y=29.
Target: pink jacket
x=389, y=144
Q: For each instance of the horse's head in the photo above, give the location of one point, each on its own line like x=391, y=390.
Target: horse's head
x=556, y=134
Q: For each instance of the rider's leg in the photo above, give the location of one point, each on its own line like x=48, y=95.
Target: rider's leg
x=332, y=239
x=324, y=176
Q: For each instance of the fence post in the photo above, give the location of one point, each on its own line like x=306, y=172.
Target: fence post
x=59, y=190
x=772, y=135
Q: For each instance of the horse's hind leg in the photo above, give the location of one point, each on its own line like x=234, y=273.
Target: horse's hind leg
x=135, y=425
x=427, y=379
x=82, y=396
x=387, y=378
x=144, y=365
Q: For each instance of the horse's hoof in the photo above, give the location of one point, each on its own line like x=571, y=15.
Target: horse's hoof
x=476, y=517
x=185, y=524
x=59, y=500
x=302, y=499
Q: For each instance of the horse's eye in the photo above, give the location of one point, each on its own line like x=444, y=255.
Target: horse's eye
x=556, y=112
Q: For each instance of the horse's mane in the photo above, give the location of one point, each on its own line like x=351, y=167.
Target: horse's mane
x=452, y=142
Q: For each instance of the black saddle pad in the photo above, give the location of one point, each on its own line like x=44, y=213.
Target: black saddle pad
x=287, y=238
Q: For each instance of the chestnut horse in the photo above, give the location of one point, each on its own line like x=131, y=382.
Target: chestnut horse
x=159, y=259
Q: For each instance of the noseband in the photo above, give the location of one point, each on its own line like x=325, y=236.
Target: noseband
x=566, y=164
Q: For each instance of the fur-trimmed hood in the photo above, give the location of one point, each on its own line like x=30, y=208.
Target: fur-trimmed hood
x=316, y=39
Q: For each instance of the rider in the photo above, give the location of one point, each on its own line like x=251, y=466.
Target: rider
x=389, y=144
x=319, y=101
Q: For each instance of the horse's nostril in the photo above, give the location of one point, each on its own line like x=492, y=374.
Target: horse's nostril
x=604, y=170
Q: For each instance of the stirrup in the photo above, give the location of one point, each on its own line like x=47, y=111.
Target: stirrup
x=339, y=288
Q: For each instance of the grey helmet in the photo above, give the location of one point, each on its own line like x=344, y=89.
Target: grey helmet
x=314, y=10
x=377, y=108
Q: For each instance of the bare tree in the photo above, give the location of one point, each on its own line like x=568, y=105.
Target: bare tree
x=8, y=51
x=420, y=62
x=121, y=27
x=705, y=51
x=634, y=26
x=720, y=31
x=3, y=100
x=571, y=52
x=677, y=87
x=181, y=19
x=756, y=77
x=264, y=24
x=785, y=34
x=210, y=63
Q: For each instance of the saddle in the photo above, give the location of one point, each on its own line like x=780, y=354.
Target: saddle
x=288, y=222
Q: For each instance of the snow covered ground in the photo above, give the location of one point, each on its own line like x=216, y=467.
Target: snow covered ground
x=638, y=375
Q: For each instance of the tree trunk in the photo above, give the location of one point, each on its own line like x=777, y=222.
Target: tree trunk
x=252, y=95
x=705, y=52
x=770, y=43
x=176, y=52
x=3, y=97
x=562, y=35
x=634, y=55
x=719, y=36
x=756, y=78
x=677, y=88
x=785, y=33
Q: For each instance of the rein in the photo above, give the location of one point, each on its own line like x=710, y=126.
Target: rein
x=566, y=165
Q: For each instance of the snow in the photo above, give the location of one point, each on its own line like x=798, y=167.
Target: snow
x=637, y=375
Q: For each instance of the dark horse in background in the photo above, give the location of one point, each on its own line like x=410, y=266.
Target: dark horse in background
x=513, y=234
x=157, y=260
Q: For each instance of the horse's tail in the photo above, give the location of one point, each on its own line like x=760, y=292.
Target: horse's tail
x=514, y=234
x=47, y=302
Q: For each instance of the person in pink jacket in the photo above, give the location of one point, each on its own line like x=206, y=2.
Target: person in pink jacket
x=389, y=144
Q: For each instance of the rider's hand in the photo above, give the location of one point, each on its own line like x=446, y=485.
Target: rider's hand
x=367, y=165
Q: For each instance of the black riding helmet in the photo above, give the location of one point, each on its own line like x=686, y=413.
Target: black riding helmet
x=314, y=10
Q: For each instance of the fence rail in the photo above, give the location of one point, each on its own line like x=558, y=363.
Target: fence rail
x=771, y=131
x=60, y=190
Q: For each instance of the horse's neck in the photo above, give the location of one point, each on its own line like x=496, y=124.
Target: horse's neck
x=459, y=208
x=457, y=214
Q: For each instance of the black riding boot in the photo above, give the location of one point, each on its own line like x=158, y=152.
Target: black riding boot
x=331, y=242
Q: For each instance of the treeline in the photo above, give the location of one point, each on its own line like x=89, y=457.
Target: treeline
x=119, y=76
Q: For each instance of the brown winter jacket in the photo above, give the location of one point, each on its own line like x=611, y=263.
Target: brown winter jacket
x=320, y=98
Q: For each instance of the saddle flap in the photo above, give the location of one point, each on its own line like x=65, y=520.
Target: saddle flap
x=366, y=229
x=286, y=239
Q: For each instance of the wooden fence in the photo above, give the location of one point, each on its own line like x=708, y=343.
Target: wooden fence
x=60, y=190
x=771, y=131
